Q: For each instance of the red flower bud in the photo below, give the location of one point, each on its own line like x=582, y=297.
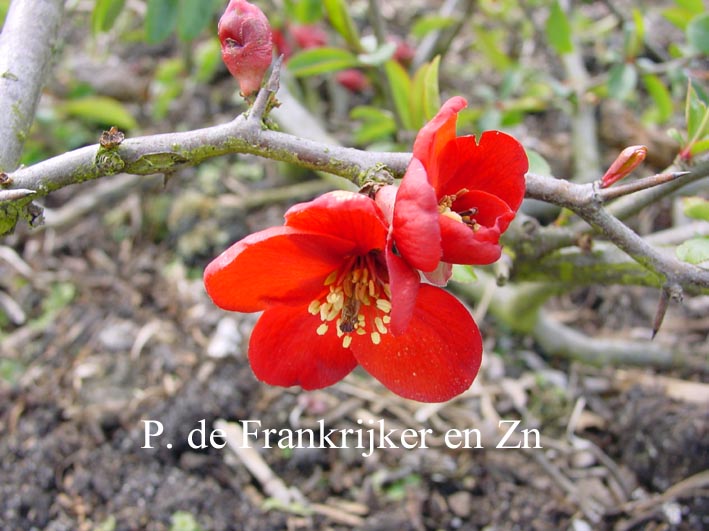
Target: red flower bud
x=629, y=159
x=280, y=41
x=247, y=46
x=404, y=52
x=309, y=36
x=352, y=79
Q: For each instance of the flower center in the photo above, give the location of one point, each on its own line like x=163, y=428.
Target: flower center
x=445, y=207
x=358, y=301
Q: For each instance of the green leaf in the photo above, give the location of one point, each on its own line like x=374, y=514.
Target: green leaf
x=558, y=30
x=465, y=274
x=379, y=56
x=321, y=60
x=104, y=14
x=488, y=42
x=192, y=18
x=622, y=80
x=682, y=13
x=100, y=110
x=400, y=84
x=675, y=135
x=342, y=22
x=693, y=6
x=4, y=6
x=698, y=33
x=660, y=94
x=376, y=124
x=307, y=11
x=184, y=521
x=694, y=251
x=696, y=208
x=208, y=57
x=11, y=370
x=425, y=100
x=537, y=163
x=427, y=24
x=695, y=114
x=699, y=147
x=634, y=31
x=432, y=96
x=160, y=20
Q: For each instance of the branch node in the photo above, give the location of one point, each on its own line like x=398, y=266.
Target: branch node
x=265, y=99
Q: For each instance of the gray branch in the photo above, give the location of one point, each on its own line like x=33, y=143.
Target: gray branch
x=169, y=152
x=27, y=42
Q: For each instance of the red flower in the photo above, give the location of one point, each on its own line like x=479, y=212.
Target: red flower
x=246, y=42
x=334, y=297
x=458, y=190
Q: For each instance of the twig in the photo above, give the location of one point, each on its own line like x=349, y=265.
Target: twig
x=560, y=340
x=265, y=96
x=27, y=41
x=15, y=194
x=631, y=205
x=168, y=152
x=584, y=134
x=585, y=201
x=608, y=194
x=696, y=482
x=272, y=485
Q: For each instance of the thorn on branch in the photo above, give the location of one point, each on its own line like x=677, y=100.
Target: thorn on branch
x=670, y=291
x=607, y=194
x=14, y=195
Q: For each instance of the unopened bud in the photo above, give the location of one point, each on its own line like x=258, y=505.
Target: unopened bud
x=247, y=46
x=629, y=159
x=309, y=36
x=352, y=79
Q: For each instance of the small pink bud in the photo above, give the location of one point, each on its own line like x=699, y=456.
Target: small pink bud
x=309, y=36
x=404, y=52
x=352, y=79
x=247, y=46
x=280, y=42
x=629, y=159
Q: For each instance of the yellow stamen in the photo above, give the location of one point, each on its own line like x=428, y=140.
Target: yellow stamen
x=331, y=277
x=314, y=308
x=384, y=305
x=322, y=329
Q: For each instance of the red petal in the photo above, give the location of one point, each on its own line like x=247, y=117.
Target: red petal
x=436, y=134
x=497, y=165
x=385, y=199
x=345, y=215
x=463, y=246
x=441, y=275
x=286, y=350
x=491, y=210
x=417, y=235
x=277, y=265
x=404, y=283
x=436, y=359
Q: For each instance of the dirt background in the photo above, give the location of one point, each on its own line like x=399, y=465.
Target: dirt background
x=111, y=325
